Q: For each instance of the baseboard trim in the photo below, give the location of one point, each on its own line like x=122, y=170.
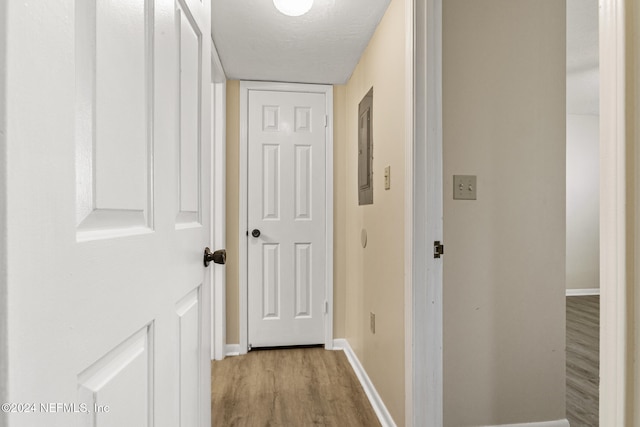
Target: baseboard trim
x=582, y=292
x=556, y=423
x=376, y=401
x=232, y=350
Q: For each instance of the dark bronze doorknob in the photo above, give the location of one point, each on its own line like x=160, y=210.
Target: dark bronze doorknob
x=218, y=257
x=255, y=232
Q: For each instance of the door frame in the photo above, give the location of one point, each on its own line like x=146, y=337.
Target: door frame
x=423, y=214
x=423, y=314
x=636, y=261
x=615, y=140
x=327, y=91
x=218, y=203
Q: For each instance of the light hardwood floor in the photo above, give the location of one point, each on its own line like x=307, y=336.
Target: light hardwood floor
x=289, y=388
x=583, y=360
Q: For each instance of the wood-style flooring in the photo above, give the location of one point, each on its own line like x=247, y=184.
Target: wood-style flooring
x=290, y=388
x=583, y=360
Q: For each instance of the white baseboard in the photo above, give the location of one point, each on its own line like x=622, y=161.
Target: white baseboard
x=232, y=350
x=556, y=423
x=582, y=292
x=378, y=405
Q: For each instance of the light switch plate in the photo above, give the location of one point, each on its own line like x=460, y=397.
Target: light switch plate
x=372, y=322
x=387, y=178
x=464, y=187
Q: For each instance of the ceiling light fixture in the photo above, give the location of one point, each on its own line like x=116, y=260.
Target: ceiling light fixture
x=293, y=7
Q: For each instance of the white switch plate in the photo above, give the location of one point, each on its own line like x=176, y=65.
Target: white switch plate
x=387, y=178
x=464, y=187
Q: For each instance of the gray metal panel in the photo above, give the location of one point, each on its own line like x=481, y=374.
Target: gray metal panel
x=365, y=149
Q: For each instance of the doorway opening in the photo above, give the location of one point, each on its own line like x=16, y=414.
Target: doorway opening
x=583, y=213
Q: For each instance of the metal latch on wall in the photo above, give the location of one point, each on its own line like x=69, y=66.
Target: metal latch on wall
x=438, y=249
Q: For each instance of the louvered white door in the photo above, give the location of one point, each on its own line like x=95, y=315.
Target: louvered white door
x=286, y=206
x=108, y=212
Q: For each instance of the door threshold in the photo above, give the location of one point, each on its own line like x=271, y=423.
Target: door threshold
x=287, y=347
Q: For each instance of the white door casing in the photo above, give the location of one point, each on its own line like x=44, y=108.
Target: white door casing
x=615, y=55
x=424, y=215
x=286, y=193
x=218, y=204
x=108, y=198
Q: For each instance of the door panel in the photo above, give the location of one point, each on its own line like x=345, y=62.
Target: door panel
x=188, y=314
x=271, y=182
x=271, y=281
x=190, y=113
x=114, y=69
x=302, y=182
x=303, y=280
x=286, y=202
x=109, y=182
x=117, y=388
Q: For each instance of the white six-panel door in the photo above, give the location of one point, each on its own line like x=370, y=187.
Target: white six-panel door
x=108, y=189
x=286, y=204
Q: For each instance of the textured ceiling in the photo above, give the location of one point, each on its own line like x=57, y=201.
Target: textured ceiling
x=583, y=74
x=256, y=42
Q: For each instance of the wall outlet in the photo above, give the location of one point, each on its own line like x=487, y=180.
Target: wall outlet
x=372, y=322
x=387, y=178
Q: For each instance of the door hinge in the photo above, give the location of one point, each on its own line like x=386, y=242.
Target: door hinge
x=326, y=307
x=438, y=249
x=326, y=120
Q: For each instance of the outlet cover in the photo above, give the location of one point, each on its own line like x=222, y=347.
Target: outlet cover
x=464, y=187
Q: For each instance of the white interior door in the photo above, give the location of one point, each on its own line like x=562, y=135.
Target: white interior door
x=108, y=188
x=286, y=218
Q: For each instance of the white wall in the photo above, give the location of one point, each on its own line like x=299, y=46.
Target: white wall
x=583, y=215
x=583, y=186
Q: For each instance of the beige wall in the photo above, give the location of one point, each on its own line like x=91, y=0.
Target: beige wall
x=372, y=279
x=340, y=258
x=504, y=268
x=233, y=192
x=633, y=212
